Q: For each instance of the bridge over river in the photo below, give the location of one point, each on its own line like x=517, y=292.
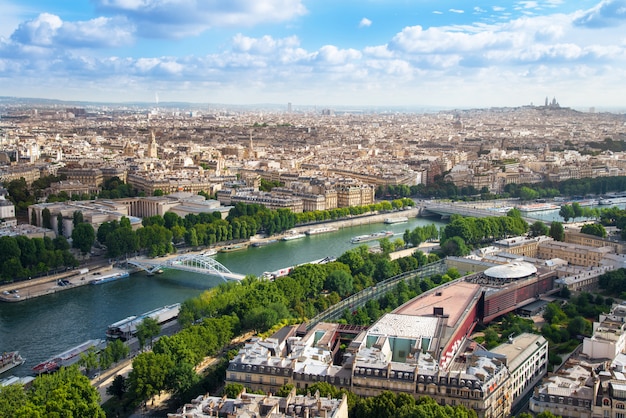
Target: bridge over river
x=195, y=263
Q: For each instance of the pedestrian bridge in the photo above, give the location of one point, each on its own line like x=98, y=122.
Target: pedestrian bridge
x=195, y=263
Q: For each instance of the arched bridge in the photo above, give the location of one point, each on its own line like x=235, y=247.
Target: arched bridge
x=195, y=263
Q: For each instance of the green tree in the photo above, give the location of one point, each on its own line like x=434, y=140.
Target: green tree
x=557, y=232
x=594, y=229
x=89, y=360
x=13, y=402
x=147, y=330
x=341, y=282
x=566, y=212
x=233, y=390
x=66, y=393
x=59, y=224
x=118, y=387
x=77, y=217
x=83, y=237
x=538, y=228
x=149, y=374
x=46, y=218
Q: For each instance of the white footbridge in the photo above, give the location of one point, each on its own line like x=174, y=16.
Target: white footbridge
x=195, y=263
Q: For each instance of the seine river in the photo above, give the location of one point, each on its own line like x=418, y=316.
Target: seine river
x=42, y=327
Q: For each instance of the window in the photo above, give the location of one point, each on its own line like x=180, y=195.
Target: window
x=619, y=406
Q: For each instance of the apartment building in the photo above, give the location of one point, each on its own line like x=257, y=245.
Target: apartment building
x=580, y=255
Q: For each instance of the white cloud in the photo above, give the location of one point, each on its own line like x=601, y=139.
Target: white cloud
x=459, y=11
x=179, y=18
x=607, y=13
x=498, y=8
x=332, y=55
x=50, y=31
x=437, y=12
x=365, y=23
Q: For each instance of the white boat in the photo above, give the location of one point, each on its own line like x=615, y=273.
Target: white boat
x=10, y=360
x=109, y=277
x=321, y=230
x=68, y=357
x=209, y=252
x=127, y=327
x=293, y=235
x=398, y=220
x=612, y=201
x=537, y=207
x=371, y=237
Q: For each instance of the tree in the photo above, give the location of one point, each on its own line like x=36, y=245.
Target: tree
x=89, y=360
x=594, y=229
x=233, y=390
x=118, y=387
x=59, y=224
x=538, y=228
x=147, y=330
x=556, y=231
x=77, y=217
x=149, y=375
x=46, y=218
x=566, y=212
x=340, y=281
x=83, y=237
x=66, y=393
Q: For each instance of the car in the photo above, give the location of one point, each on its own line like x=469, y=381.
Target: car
x=6, y=292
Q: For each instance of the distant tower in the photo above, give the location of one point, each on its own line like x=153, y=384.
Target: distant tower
x=152, y=147
x=289, y=107
x=546, y=101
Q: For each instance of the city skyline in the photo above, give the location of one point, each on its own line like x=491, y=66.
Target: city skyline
x=372, y=53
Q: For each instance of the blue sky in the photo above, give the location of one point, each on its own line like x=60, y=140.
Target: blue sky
x=317, y=52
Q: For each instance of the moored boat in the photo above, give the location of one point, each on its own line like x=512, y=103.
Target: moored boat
x=110, y=277
x=10, y=360
x=264, y=243
x=371, y=237
x=291, y=235
x=321, y=230
x=67, y=357
x=126, y=328
x=234, y=247
x=537, y=207
x=397, y=220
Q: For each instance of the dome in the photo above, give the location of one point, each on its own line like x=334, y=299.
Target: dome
x=516, y=270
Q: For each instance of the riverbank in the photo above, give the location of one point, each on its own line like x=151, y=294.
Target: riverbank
x=28, y=289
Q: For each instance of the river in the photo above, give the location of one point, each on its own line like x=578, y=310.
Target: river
x=42, y=327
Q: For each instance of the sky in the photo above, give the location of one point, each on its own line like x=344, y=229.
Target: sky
x=467, y=54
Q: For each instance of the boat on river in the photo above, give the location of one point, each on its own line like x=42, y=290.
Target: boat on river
x=264, y=242
x=321, y=230
x=291, y=235
x=109, y=277
x=271, y=275
x=371, y=237
x=68, y=357
x=397, y=220
x=537, y=207
x=10, y=360
x=127, y=328
x=233, y=248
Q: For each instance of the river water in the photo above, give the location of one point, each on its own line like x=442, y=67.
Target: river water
x=43, y=327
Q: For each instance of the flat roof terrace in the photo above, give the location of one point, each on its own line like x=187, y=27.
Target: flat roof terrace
x=453, y=297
